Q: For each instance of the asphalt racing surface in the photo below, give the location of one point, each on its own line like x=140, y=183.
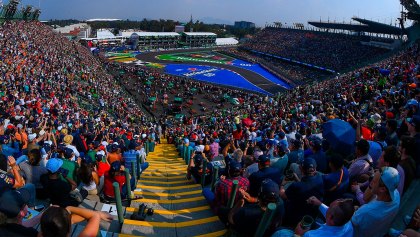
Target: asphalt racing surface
x=252, y=77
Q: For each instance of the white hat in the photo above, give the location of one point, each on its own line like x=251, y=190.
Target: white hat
x=32, y=136
x=199, y=148
x=42, y=132
x=19, y=126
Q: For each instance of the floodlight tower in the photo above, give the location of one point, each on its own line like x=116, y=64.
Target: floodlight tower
x=26, y=12
x=11, y=9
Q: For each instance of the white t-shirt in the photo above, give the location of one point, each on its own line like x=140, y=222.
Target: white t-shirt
x=375, y=218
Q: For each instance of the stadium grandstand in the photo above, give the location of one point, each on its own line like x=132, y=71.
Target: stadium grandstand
x=90, y=146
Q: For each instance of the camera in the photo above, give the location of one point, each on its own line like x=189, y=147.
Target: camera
x=143, y=212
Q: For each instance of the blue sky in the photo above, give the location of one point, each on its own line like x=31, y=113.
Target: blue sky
x=258, y=11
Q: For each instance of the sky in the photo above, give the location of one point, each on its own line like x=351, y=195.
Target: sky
x=221, y=11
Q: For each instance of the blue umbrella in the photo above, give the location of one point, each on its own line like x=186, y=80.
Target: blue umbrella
x=340, y=135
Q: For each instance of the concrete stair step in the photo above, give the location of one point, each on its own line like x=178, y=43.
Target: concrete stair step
x=186, y=228
x=172, y=188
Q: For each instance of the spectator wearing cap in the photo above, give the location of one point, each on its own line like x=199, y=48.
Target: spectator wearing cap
x=13, y=209
x=53, y=181
x=296, y=153
x=245, y=217
x=32, y=171
x=264, y=172
x=336, y=182
x=195, y=167
x=375, y=218
x=113, y=154
x=131, y=156
x=407, y=150
x=362, y=167
x=280, y=159
x=315, y=144
x=68, y=140
x=91, y=153
x=9, y=147
x=414, y=130
x=297, y=193
x=22, y=137
x=337, y=219
x=32, y=142
x=116, y=174
x=223, y=188
x=70, y=163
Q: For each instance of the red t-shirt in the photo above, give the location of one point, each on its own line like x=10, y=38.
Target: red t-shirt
x=108, y=188
x=103, y=167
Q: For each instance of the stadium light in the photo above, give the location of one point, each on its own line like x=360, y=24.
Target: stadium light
x=27, y=12
x=11, y=8
x=35, y=14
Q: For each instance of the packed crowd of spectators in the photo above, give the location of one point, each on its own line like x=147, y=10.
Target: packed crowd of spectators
x=333, y=51
x=277, y=153
x=67, y=129
x=273, y=147
x=293, y=73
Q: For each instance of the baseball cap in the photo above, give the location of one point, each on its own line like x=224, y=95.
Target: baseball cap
x=199, y=148
x=308, y=163
x=32, y=136
x=391, y=178
x=54, y=164
x=235, y=166
x=315, y=141
x=263, y=159
x=116, y=166
x=68, y=152
x=414, y=121
x=411, y=102
x=12, y=202
x=269, y=190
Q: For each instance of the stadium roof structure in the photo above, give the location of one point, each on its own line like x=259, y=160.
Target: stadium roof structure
x=226, y=41
x=102, y=19
x=199, y=33
x=364, y=26
x=149, y=34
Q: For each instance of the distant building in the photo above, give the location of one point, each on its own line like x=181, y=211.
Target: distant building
x=198, y=39
x=75, y=31
x=179, y=29
x=244, y=25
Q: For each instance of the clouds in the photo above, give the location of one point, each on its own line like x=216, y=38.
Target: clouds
x=259, y=11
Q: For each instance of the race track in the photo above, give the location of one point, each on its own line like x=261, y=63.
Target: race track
x=251, y=76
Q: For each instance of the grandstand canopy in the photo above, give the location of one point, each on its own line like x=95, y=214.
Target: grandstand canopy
x=104, y=34
x=199, y=34
x=226, y=41
x=364, y=26
x=127, y=34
